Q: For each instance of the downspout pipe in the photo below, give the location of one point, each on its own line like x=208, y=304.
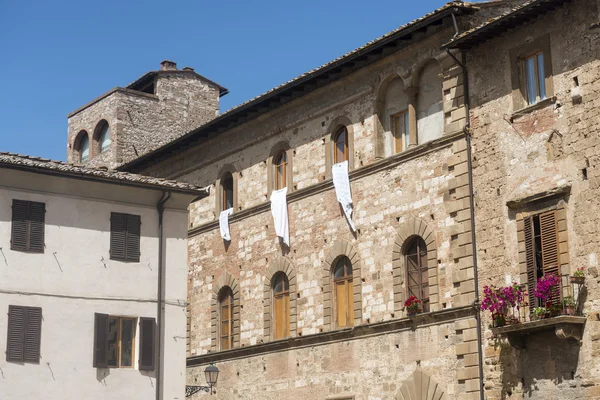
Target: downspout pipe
x=467, y=132
x=160, y=312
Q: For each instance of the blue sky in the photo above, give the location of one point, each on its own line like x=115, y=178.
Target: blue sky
x=57, y=56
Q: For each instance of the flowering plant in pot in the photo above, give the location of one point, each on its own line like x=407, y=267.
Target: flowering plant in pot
x=498, y=300
x=539, y=313
x=412, y=305
x=546, y=289
x=569, y=305
x=578, y=276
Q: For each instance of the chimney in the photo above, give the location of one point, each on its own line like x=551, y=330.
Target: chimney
x=167, y=65
x=187, y=69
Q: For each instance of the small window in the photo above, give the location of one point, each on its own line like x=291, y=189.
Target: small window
x=400, y=129
x=226, y=318
x=532, y=68
x=121, y=339
x=342, y=281
x=84, y=149
x=281, y=306
x=28, y=225
x=125, y=237
x=417, y=278
x=280, y=165
x=104, y=137
x=340, y=151
x=227, y=192
x=24, y=334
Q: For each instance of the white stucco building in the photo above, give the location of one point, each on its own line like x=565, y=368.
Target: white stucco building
x=92, y=285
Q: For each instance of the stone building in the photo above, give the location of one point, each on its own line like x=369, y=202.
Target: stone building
x=485, y=109
x=125, y=123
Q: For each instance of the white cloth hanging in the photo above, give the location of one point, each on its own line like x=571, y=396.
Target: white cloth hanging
x=280, y=214
x=224, y=223
x=341, y=183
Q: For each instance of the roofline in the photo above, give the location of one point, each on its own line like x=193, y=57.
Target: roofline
x=503, y=23
x=199, y=193
x=113, y=90
x=355, y=59
x=222, y=90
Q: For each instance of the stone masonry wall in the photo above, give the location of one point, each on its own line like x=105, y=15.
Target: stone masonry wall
x=539, y=151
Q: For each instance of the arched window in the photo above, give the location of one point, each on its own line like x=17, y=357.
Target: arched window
x=104, y=137
x=226, y=318
x=340, y=149
x=343, y=293
x=281, y=306
x=281, y=165
x=417, y=279
x=227, y=191
x=84, y=149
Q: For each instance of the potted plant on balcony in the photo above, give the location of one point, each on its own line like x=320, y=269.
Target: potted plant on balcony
x=539, y=313
x=412, y=305
x=569, y=305
x=546, y=290
x=578, y=276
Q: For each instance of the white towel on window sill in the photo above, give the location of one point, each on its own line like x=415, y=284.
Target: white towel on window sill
x=280, y=214
x=341, y=182
x=224, y=223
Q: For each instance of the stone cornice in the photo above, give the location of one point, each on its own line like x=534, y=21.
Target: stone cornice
x=324, y=338
x=327, y=184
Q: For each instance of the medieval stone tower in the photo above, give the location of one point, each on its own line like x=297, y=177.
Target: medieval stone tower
x=127, y=122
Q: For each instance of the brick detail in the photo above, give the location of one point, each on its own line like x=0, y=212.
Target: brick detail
x=280, y=264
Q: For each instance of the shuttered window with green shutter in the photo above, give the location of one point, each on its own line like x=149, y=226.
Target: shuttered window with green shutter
x=125, y=237
x=28, y=225
x=24, y=334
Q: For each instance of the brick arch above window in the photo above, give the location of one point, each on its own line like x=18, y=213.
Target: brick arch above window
x=102, y=135
x=405, y=233
x=78, y=142
x=225, y=280
x=280, y=264
x=334, y=127
x=420, y=386
x=341, y=248
x=271, y=175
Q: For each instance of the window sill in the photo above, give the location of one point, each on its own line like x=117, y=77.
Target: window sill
x=533, y=107
x=565, y=327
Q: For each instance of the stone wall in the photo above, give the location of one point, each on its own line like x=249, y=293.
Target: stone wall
x=532, y=153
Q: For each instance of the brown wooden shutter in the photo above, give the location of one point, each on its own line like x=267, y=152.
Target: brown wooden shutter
x=132, y=246
x=147, y=344
x=33, y=334
x=100, y=341
x=550, y=251
x=530, y=260
x=16, y=333
x=118, y=234
x=37, y=215
x=20, y=213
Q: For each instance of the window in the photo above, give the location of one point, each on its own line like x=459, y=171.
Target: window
x=340, y=150
x=84, y=149
x=227, y=192
x=400, y=129
x=342, y=281
x=104, y=137
x=28, y=226
x=281, y=306
x=115, y=338
x=24, y=334
x=532, y=70
x=226, y=318
x=417, y=279
x=125, y=237
x=541, y=249
x=280, y=165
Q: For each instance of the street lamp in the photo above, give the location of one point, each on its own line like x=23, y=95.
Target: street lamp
x=212, y=374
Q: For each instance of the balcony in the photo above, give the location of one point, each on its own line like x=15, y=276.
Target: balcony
x=566, y=327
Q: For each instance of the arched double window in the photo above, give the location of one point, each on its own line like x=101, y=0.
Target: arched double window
x=340, y=145
x=226, y=318
x=104, y=137
x=343, y=292
x=281, y=306
x=417, y=278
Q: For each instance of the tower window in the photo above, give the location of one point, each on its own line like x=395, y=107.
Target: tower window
x=84, y=149
x=104, y=137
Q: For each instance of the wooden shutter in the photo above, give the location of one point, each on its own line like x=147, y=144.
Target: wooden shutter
x=16, y=333
x=350, y=303
x=147, y=344
x=33, y=334
x=341, y=299
x=550, y=251
x=118, y=234
x=530, y=261
x=100, y=341
x=20, y=213
x=132, y=244
x=37, y=215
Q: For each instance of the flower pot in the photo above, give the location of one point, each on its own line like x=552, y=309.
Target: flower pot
x=499, y=320
x=413, y=313
x=570, y=310
x=579, y=280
